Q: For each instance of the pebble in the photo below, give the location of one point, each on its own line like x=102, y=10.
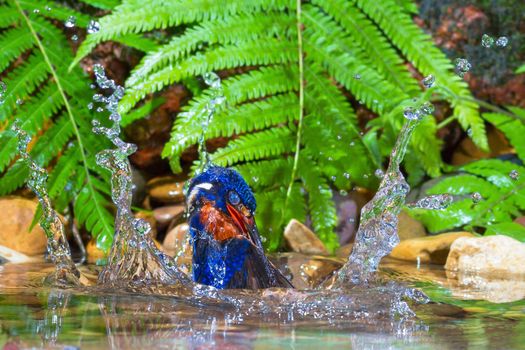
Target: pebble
x=301, y=239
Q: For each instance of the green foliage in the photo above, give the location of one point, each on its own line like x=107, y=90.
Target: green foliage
x=501, y=185
x=349, y=47
x=51, y=103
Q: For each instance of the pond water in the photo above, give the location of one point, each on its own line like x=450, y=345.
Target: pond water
x=32, y=316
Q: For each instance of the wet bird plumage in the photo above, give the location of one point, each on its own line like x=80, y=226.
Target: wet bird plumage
x=227, y=249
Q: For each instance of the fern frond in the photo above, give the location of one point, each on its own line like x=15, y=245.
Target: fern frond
x=13, y=43
x=428, y=59
x=512, y=128
x=259, y=145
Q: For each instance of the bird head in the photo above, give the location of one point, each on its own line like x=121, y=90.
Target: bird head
x=222, y=204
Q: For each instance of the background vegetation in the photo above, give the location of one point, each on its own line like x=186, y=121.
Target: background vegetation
x=334, y=85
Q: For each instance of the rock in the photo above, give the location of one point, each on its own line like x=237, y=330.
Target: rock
x=166, y=189
x=489, y=256
x=410, y=227
x=430, y=249
x=17, y=215
x=165, y=215
x=12, y=256
x=344, y=251
x=176, y=240
x=468, y=152
x=301, y=239
x=94, y=253
x=520, y=220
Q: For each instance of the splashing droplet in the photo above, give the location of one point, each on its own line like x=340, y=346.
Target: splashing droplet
x=357, y=76
x=70, y=22
x=426, y=108
x=487, y=41
x=19, y=101
x=3, y=90
x=74, y=37
x=36, y=11
x=346, y=176
x=429, y=81
x=502, y=41
x=255, y=179
x=412, y=113
x=433, y=202
x=514, y=174
x=462, y=66
x=476, y=197
x=379, y=173
x=90, y=105
x=48, y=8
x=93, y=27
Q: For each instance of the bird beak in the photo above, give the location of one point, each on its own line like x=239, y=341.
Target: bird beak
x=244, y=223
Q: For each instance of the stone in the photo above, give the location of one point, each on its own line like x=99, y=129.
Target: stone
x=344, y=251
x=12, y=256
x=408, y=227
x=17, y=216
x=488, y=256
x=165, y=215
x=166, y=189
x=176, y=241
x=94, y=253
x=429, y=249
x=301, y=239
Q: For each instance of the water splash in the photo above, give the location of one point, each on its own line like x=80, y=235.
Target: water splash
x=487, y=41
x=502, y=41
x=462, y=66
x=377, y=233
x=514, y=174
x=134, y=258
x=66, y=273
x=433, y=202
x=3, y=90
x=206, y=115
x=429, y=81
x=70, y=22
x=93, y=27
x=476, y=197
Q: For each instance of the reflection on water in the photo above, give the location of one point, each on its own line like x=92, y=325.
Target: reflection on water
x=34, y=317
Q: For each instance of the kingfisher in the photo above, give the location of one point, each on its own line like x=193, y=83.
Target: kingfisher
x=227, y=248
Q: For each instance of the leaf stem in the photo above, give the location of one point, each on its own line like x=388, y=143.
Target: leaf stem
x=68, y=109
x=301, y=106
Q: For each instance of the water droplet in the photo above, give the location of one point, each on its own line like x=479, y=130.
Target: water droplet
x=434, y=202
x=100, y=109
x=343, y=192
x=333, y=177
x=212, y=80
x=255, y=179
x=48, y=8
x=427, y=108
x=379, y=173
x=357, y=76
x=476, y=197
x=70, y=22
x=412, y=113
x=19, y=101
x=352, y=144
x=514, y=174
x=339, y=137
x=346, y=175
x=429, y=81
x=487, y=41
x=502, y=41
x=92, y=86
x=74, y=37
x=330, y=159
x=90, y=105
x=470, y=132
x=3, y=90
x=36, y=11
x=462, y=66
x=93, y=27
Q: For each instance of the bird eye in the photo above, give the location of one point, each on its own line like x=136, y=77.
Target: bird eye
x=234, y=198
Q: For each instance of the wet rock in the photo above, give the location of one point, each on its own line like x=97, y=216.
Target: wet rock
x=408, y=227
x=165, y=215
x=301, y=239
x=94, y=253
x=12, y=256
x=17, y=215
x=490, y=288
x=429, y=250
x=468, y=152
x=489, y=256
x=166, y=189
x=344, y=251
x=176, y=241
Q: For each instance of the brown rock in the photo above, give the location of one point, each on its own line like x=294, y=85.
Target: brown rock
x=15, y=257
x=17, y=215
x=94, y=253
x=489, y=256
x=410, y=227
x=177, y=240
x=344, y=251
x=167, y=189
x=164, y=215
x=301, y=239
x=430, y=249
